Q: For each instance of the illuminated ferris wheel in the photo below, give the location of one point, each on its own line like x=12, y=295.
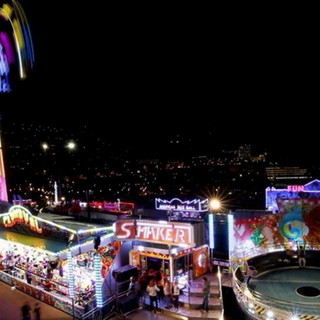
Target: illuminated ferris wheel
x=16, y=49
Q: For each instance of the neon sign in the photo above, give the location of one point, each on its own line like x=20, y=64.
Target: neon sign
x=309, y=190
x=295, y=188
x=145, y=230
x=20, y=215
x=178, y=205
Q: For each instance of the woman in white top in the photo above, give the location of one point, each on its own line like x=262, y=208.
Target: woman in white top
x=152, y=290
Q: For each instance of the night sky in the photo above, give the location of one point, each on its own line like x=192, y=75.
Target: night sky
x=160, y=74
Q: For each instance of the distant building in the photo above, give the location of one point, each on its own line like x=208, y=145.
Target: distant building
x=282, y=176
x=244, y=152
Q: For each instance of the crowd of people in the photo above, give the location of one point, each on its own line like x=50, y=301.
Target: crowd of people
x=156, y=286
x=26, y=311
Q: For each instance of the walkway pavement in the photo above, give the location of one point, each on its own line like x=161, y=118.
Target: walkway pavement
x=142, y=314
x=190, y=302
x=11, y=302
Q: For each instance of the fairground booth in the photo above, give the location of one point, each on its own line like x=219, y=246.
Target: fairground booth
x=266, y=246
x=177, y=249
x=65, y=267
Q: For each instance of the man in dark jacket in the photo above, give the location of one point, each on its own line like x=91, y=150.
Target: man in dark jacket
x=206, y=294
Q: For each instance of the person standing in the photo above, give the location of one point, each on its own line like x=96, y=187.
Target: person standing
x=29, y=275
x=137, y=290
x=302, y=257
x=206, y=294
x=36, y=311
x=131, y=285
x=167, y=293
x=176, y=293
x=152, y=290
x=25, y=310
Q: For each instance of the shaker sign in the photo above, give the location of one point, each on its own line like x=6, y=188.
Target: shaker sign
x=153, y=231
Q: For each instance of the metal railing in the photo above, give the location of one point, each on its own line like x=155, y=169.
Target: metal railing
x=259, y=306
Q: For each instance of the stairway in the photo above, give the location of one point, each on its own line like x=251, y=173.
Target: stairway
x=191, y=300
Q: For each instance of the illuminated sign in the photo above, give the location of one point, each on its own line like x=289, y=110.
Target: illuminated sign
x=4, y=71
x=295, y=188
x=178, y=205
x=20, y=215
x=147, y=230
x=309, y=190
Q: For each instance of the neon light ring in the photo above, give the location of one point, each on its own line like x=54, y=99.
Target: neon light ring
x=279, y=288
x=16, y=48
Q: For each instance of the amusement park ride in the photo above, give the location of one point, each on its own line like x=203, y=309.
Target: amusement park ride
x=16, y=48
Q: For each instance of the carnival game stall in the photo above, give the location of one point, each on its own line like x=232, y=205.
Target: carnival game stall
x=68, y=276
x=39, y=273
x=44, y=275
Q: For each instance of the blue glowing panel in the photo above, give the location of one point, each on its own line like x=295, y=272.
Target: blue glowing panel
x=97, y=276
x=230, y=233
x=70, y=275
x=211, y=231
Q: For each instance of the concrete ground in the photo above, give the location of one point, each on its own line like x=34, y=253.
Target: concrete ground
x=12, y=301
x=142, y=315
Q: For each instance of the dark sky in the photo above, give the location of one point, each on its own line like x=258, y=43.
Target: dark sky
x=152, y=71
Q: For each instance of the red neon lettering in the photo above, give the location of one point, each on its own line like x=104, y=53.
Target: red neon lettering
x=124, y=230
x=180, y=236
x=168, y=233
